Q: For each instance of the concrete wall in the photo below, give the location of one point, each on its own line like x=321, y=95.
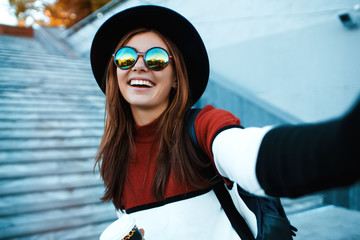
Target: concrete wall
x=252, y=111
x=312, y=73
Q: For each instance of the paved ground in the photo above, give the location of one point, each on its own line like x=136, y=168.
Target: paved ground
x=327, y=222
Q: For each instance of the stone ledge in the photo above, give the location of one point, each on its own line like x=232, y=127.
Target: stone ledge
x=17, y=31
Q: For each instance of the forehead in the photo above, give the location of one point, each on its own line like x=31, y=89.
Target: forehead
x=145, y=41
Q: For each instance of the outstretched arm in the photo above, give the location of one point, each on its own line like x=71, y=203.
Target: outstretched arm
x=286, y=161
x=297, y=160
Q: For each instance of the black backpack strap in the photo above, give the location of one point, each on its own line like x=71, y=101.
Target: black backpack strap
x=190, y=124
x=235, y=218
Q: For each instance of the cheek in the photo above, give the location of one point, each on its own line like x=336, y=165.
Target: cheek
x=120, y=74
x=171, y=76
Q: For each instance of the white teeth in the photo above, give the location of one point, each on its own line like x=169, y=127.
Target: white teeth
x=141, y=83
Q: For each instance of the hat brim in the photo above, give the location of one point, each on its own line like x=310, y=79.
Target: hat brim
x=169, y=23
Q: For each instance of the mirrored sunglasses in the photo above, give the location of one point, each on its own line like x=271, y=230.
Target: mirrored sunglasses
x=155, y=58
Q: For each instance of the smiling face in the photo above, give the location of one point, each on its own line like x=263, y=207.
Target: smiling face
x=145, y=89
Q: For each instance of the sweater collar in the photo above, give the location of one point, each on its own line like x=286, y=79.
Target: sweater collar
x=146, y=133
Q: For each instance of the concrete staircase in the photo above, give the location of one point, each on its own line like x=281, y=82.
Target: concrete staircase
x=51, y=123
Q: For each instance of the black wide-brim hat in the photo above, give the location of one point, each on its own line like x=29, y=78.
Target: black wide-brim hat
x=169, y=23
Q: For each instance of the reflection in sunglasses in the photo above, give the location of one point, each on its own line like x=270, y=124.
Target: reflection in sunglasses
x=125, y=63
x=155, y=58
x=155, y=63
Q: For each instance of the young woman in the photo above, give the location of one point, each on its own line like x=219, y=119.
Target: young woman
x=152, y=65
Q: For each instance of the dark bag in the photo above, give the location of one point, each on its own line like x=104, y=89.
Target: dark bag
x=272, y=222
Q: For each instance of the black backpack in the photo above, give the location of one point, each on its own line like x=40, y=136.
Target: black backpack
x=272, y=222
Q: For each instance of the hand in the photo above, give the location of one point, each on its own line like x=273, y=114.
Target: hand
x=142, y=231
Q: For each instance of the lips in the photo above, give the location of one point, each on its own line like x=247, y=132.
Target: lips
x=141, y=83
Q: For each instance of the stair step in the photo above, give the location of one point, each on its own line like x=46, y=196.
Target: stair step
x=90, y=232
x=50, y=109
x=54, y=116
x=6, y=63
x=76, y=73
x=41, y=201
x=97, y=99
x=43, y=73
x=50, y=123
x=52, y=102
x=18, y=144
x=62, y=86
x=50, y=133
x=57, y=90
x=18, y=44
x=47, y=155
x=48, y=183
x=13, y=47
x=66, y=90
x=20, y=62
x=55, y=220
x=34, y=169
x=34, y=56
x=34, y=80
x=78, y=99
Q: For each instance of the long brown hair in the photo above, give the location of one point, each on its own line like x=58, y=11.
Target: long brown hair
x=175, y=151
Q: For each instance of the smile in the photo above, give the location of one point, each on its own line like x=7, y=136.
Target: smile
x=141, y=83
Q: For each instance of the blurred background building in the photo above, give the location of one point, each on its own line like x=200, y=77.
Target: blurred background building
x=272, y=62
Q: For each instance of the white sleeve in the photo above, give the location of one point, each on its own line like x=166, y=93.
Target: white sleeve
x=235, y=152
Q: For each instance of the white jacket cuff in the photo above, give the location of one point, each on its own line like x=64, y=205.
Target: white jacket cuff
x=235, y=152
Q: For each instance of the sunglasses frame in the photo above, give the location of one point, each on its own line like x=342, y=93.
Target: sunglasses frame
x=143, y=54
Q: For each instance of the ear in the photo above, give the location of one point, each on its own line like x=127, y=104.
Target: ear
x=175, y=83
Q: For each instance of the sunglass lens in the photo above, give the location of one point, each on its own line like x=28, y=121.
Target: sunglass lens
x=125, y=58
x=157, y=59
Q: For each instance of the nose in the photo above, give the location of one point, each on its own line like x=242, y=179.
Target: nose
x=140, y=63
